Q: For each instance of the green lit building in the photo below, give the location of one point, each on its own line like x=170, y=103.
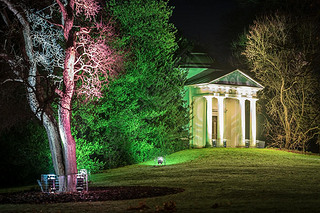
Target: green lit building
x=222, y=104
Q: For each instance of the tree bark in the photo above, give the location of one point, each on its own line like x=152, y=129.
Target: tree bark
x=64, y=111
x=52, y=130
x=69, y=144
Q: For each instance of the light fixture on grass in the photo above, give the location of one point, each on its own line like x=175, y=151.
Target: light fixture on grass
x=49, y=183
x=82, y=180
x=160, y=161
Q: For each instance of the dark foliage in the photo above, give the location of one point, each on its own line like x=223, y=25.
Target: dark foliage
x=24, y=154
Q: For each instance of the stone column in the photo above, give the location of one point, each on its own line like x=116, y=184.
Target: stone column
x=220, y=120
x=243, y=120
x=209, y=120
x=253, y=122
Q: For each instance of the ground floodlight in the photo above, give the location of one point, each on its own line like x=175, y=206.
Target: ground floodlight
x=49, y=183
x=160, y=161
x=82, y=180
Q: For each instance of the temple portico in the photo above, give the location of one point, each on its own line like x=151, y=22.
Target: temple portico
x=221, y=118
x=223, y=107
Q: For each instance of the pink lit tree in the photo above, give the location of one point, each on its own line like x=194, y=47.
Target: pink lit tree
x=87, y=61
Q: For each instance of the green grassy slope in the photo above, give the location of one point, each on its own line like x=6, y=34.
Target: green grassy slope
x=215, y=180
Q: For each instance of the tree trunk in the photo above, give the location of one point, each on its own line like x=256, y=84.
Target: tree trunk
x=48, y=121
x=69, y=149
x=69, y=144
x=287, y=126
x=64, y=111
x=49, y=124
x=56, y=149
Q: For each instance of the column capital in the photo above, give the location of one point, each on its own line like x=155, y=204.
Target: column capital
x=240, y=98
x=208, y=97
x=253, y=99
x=220, y=97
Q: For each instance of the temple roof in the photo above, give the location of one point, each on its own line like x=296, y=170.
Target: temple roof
x=223, y=77
x=202, y=69
x=197, y=60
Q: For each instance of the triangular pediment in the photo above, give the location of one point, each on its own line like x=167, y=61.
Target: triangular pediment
x=236, y=78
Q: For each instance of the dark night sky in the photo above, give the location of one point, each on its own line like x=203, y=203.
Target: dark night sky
x=207, y=23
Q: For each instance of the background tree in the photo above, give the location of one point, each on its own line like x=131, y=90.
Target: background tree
x=248, y=10
x=144, y=115
x=156, y=85
x=283, y=52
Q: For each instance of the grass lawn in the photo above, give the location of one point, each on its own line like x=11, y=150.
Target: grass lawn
x=215, y=180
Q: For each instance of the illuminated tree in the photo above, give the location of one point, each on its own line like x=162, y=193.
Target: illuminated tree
x=143, y=115
x=283, y=51
x=86, y=58
x=149, y=96
x=22, y=62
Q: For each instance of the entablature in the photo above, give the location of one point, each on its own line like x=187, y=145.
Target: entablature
x=226, y=90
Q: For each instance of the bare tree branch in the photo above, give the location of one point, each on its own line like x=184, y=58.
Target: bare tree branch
x=282, y=52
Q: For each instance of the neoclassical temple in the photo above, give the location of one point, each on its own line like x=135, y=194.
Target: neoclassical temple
x=222, y=105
